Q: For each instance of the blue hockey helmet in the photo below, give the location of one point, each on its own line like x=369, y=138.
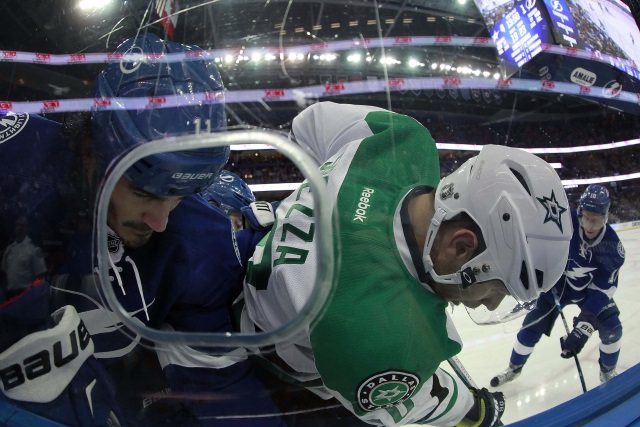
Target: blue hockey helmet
x=595, y=199
x=178, y=173
x=229, y=192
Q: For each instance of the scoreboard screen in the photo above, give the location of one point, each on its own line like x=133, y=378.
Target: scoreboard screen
x=562, y=23
x=518, y=29
x=596, y=45
x=600, y=26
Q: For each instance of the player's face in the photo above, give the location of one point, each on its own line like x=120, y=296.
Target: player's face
x=236, y=220
x=135, y=214
x=592, y=223
x=451, y=251
x=489, y=293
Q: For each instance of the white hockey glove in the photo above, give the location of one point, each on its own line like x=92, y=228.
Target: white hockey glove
x=47, y=366
x=260, y=215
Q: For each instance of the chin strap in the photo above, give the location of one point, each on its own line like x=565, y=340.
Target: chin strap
x=436, y=221
x=464, y=277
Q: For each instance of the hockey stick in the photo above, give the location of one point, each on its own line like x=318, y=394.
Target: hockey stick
x=566, y=328
x=464, y=375
x=462, y=372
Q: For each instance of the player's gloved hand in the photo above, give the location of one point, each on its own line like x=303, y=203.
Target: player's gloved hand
x=260, y=215
x=486, y=411
x=572, y=344
x=47, y=368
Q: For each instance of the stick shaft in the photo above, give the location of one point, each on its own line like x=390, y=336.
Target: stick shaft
x=566, y=328
x=459, y=369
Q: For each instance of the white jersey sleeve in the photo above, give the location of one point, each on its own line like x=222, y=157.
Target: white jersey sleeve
x=382, y=337
x=325, y=128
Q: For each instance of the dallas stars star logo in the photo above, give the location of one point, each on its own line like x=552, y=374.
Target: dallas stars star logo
x=554, y=210
x=386, y=389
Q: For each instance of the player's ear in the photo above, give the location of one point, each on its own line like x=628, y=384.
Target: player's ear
x=463, y=244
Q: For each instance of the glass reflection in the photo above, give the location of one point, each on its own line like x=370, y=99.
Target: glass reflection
x=437, y=63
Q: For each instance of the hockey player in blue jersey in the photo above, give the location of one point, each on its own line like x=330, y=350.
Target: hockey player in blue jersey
x=174, y=264
x=231, y=194
x=39, y=384
x=590, y=281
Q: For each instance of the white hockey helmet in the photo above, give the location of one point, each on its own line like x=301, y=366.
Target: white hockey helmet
x=521, y=208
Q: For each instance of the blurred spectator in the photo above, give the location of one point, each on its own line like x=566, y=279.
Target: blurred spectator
x=269, y=166
x=22, y=261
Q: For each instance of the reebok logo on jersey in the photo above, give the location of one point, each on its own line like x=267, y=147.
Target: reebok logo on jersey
x=363, y=205
x=386, y=389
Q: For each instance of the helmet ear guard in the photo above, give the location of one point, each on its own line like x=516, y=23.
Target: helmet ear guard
x=518, y=202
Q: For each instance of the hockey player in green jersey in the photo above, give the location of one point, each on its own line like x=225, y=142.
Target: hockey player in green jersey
x=493, y=234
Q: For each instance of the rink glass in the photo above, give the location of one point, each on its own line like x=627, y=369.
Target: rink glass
x=435, y=61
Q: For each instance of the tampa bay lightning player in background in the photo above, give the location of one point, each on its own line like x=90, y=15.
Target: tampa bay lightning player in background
x=175, y=264
x=231, y=194
x=590, y=280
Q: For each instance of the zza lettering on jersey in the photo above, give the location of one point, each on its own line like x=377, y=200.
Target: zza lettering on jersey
x=298, y=230
x=291, y=254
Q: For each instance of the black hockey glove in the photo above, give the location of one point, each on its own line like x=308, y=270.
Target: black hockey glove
x=583, y=328
x=486, y=411
x=47, y=368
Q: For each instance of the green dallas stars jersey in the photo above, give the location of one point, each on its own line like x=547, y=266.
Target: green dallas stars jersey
x=378, y=347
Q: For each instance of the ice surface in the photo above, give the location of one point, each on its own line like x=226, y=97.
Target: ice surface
x=547, y=380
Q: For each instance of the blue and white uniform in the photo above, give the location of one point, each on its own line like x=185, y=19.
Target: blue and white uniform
x=590, y=281
x=184, y=279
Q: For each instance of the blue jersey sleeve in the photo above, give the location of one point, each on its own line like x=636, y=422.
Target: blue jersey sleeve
x=219, y=381
x=247, y=239
x=608, y=257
